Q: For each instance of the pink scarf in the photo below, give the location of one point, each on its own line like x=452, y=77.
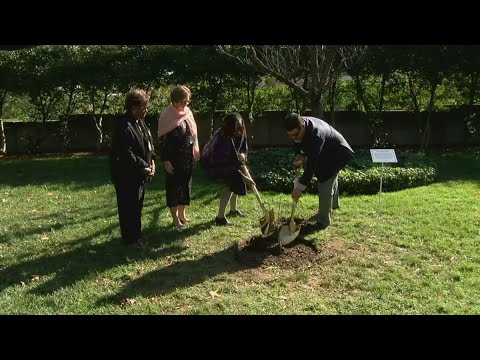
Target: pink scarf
x=170, y=118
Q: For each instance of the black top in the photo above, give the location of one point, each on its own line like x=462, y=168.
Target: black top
x=131, y=151
x=326, y=150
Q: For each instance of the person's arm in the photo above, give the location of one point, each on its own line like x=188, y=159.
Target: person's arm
x=125, y=153
x=314, y=150
x=163, y=147
x=167, y=151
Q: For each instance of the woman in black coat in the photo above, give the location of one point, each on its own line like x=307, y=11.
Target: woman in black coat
x=132, y=165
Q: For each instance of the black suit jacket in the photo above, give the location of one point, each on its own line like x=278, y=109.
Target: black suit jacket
x=326, y=150
x=131, y=151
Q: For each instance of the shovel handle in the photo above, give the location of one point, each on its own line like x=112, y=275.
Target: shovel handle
x=292, y=221
x=257, y=195
x=246, y=174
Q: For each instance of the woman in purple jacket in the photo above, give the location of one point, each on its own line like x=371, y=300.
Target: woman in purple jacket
x=222, y=157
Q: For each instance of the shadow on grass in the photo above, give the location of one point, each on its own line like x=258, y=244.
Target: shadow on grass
x=62, y=218
x=182, y=274
x=71, y=266
x=458, y=167
x=88, y=171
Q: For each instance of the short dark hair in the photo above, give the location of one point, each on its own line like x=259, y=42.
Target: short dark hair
x=135, y=97
x=292, y=121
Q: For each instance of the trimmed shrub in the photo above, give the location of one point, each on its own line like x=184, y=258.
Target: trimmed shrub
x=272, y=170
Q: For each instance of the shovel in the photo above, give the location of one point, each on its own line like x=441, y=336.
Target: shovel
x=268, y=218
x=289, y=232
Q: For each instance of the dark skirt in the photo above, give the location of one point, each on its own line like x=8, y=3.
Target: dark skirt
x=231, y=177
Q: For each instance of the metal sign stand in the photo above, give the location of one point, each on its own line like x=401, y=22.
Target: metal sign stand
x=382, y=156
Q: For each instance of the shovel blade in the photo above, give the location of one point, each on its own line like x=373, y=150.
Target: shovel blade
x=286, y=236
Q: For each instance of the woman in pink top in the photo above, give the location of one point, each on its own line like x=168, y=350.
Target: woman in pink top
x=177, y=133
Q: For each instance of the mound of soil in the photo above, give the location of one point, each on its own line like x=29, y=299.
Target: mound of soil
x=266, y=251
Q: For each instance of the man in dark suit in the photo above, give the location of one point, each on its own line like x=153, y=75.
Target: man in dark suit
x=326, y=152
x=132, y=165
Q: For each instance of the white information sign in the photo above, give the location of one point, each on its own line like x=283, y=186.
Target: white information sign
x=383, y=155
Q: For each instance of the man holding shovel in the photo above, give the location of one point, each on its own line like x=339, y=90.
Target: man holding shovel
x=326, y=152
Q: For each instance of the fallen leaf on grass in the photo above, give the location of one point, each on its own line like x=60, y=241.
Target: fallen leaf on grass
x=214, y=294
x=128, y=302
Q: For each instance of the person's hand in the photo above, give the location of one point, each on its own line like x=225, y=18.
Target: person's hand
x=242, y=158
x=152, y=167
x=147, y=171
x=196, y=155
x=167, y=165
x=296, y=193
x=298, y=162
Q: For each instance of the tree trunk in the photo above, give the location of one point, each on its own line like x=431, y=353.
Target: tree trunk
x=472, y=91
x=333, y=89
x=416, y=108
x=98, y=126
x=471, y=121
x=3, y=140
x=317, y=106
x=427, y=130
x=380, y=135
x=216, y=86
x=251, y=85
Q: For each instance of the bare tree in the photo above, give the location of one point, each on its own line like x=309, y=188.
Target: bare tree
x=306, y=69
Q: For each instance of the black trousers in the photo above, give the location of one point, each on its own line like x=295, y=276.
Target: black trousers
x=130, y=197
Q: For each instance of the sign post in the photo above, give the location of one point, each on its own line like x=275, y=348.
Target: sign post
x=382, y=156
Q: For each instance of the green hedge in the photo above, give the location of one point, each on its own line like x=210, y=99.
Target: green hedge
x=272, y=170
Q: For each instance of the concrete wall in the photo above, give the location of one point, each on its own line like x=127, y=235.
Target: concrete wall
x=401, y=127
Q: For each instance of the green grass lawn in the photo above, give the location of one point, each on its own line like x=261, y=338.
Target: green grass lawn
x=60, y=251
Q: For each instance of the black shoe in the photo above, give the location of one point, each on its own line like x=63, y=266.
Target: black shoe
x=222, y=221
x=236, y=213
x=140, y=243
x=320, y=226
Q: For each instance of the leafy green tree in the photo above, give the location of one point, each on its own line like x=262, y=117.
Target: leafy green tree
x=39, y=80
x=100, y=67
x=7, y=79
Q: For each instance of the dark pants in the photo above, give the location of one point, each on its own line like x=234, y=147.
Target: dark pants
x=327, y=200
x=130, y=197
